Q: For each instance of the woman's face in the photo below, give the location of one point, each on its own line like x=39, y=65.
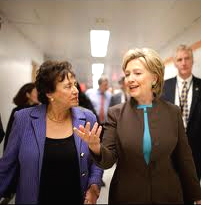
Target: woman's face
x=139, y=80
x=33, y=97
x=66, y=93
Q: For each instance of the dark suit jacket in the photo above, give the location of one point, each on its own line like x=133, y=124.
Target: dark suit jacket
x=26, y=147
x=194, y=124
x=116, y=99
x=1, y=131
x=159, y=182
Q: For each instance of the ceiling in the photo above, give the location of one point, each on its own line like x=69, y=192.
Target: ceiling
x=60, y=28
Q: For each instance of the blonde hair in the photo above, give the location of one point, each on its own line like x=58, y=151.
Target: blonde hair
x=152, y=63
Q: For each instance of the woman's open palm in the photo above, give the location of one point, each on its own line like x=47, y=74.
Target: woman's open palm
x=92, y=138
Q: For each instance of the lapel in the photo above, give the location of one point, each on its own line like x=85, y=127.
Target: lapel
x=78, y=118
x=38, y=121
x=195, y=96
x=153, y=116
x=171, y=90
x=137, y=120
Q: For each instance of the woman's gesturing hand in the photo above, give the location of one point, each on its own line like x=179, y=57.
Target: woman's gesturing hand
x=92, y=138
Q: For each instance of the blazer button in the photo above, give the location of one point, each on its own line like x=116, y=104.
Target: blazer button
x=82, y=154
x=83, y=174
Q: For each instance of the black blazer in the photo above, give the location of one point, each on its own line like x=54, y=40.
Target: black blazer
x=194, y=124
x=116, y=99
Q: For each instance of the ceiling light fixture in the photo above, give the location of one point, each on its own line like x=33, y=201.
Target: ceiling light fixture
x=99, y=41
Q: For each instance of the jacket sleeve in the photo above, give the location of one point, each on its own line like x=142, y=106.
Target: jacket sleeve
x=9, y=161
x=185, y=165
x=108, y=156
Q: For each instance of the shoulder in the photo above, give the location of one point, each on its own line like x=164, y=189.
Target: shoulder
x=168, y=106
x=33, y=111
x=82, y=112
x=170, y=81
x=197, y=80
x=117, y=95
x=117, y=109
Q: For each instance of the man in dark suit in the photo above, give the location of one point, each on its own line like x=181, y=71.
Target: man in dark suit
x=183, y=60
x=121, y=96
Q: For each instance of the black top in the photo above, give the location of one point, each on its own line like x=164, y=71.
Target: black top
x=60, y=175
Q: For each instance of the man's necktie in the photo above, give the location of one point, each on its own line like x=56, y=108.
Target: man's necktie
x=147, y=137
x=184, y=102
x=101, y=112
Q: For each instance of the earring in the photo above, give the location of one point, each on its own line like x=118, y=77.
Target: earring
x=51, y=99
x=153, y=84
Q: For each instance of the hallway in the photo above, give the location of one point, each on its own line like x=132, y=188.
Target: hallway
x=107, y=176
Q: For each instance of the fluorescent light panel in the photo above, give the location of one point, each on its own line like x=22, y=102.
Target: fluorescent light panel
x=99, y=41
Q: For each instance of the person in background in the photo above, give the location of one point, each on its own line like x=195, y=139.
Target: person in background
x=85, y=102
x=121, y=96
x=2, y=133
x=184, y=90
x=146, y=138
x=25, y=97
x=54, y=164
x=100, y=98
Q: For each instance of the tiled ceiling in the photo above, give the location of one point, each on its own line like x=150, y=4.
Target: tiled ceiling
x=60, y=28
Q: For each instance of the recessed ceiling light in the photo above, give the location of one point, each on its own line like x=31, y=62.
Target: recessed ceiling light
x=99, y=42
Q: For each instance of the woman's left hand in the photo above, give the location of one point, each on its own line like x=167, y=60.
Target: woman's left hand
x=92, y=194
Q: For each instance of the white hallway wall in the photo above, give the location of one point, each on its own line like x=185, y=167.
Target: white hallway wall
x=16, y=56
x=189, y=36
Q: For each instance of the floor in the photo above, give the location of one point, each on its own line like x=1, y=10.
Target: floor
x=107, y=176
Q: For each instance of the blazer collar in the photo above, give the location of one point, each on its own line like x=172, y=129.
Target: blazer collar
x=196, y=94
x=171, y=90
x=78, y=118
x=38, y=115
x=134, y=103
x=38, y=120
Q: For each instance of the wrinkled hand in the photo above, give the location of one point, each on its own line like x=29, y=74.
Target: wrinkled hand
x=92, y=194
x=92, y=138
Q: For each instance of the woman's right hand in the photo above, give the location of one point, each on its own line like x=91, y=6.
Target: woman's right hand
x=92, y=138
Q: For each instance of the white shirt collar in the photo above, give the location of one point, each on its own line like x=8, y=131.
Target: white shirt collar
x=180, y=80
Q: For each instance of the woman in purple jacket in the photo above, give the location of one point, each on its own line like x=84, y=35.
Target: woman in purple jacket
x=54, y=164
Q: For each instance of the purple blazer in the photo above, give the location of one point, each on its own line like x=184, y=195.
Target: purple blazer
x=26, y=146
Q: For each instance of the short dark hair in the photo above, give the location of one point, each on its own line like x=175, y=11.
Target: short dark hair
x=49, y=73
x=121, y=80
x=21, y=98
x=102, y=79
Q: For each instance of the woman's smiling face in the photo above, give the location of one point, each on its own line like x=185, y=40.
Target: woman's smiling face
x=139, y=80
